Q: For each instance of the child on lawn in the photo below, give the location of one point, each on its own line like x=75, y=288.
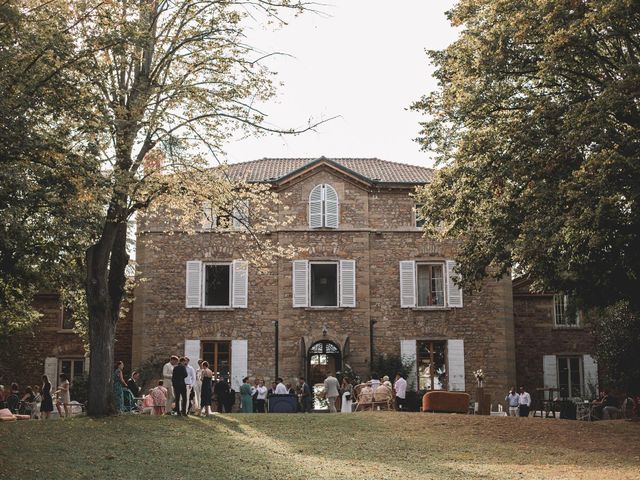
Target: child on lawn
x=159, y=396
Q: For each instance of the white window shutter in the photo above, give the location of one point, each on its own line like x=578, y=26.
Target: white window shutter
x=407, y=284
x=408, y=354
x=316, y=198
x=348, y=283
x=331, y=207
x=455, y=357
x=51, y=371
x=590, y=370
x=194, y=284
x=240, y=284
x=192, y=351
x=549, y=372
x=454, y=292
x=241, y=215
x=300, y=283
x=239, y=362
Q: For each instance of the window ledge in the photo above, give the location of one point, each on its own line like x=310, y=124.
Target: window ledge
x=216, y=309
x=432, y=309
x=65, y=330
x=568, y=327
x=323, y=309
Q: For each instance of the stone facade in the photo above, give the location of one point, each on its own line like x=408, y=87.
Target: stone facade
x=540, y=342
x=376, y=230
x=49, y=348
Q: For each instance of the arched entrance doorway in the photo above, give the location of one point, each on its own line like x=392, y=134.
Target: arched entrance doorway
x=323, y=357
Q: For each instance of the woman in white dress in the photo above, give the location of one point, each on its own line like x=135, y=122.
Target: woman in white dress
x=347, y=392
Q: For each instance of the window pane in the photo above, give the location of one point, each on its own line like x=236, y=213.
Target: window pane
x=78, y=367
x=563, y=377
x=423, y=285
x=324, y=285
x=67, y=319
x=439, y=366
x=419, y=219
x=65, y=367
x=574, y=368
x=216, y=285
x=430, y=285
x=437, y=286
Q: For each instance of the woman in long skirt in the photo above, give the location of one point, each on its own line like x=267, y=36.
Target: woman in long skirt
x=118, y=386
x=46, y=407
x=205, y=392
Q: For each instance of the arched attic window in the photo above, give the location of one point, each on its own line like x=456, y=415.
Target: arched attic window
x=323, y=207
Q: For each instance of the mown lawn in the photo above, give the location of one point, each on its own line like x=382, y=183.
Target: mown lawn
x=369, y=445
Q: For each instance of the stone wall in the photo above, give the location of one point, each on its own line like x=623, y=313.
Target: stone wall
x=376, y=230
x=23, y=358
x=536, y=336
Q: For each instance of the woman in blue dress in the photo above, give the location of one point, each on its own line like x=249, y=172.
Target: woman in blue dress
x=118, y=386
x=246, y=396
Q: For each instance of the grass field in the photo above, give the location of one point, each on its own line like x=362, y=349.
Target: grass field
x=369, y=445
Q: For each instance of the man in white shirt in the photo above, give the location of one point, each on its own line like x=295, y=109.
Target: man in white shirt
x=524, y=403
x=400, y=386
x=513, y=400
x=167, y=374
x=190, y=381
x=261, y=397
x=281, y=388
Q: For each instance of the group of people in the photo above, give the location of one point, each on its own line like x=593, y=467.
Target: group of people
x=256, y=397
x=375, y=390
x=519, y=402
x=37, y=401
x=184, y=389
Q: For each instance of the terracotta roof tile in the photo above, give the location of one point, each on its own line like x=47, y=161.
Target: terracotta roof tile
x=374, y=169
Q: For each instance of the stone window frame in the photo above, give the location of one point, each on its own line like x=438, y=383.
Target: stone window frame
x=323, y=189
x=418, y=222
x=71, y=359
x=559, y=312
x=237, y=220
x=325, y=262
x=433, y=341
x=204, y=306
x=62, y=328
x=443, y=266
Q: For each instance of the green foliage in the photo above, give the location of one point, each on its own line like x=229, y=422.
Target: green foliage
x=390, y=365
x=80, y=389
x=151, y=371
x=617, y=332
x=49, y=179
x=535, y=124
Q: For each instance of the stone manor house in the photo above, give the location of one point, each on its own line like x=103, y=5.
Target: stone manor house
x=366, y=282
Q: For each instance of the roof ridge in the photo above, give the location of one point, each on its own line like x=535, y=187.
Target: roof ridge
x=392, y=162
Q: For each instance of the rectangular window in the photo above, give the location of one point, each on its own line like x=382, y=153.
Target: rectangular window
x=324, y=284
x=68, y=322
x=218, y=355
x=432, y=365
x=72, y=368
x=430, y=284
x=217, y=281
x=570, y=377
x=419, y=219
x=565, y=313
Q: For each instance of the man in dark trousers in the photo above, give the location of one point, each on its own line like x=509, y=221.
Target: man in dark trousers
x=179, y=387
x=306, y=401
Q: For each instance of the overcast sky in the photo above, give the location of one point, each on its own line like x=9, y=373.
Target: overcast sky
x=364, y=61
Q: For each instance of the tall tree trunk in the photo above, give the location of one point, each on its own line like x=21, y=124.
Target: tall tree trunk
x=106, y=263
